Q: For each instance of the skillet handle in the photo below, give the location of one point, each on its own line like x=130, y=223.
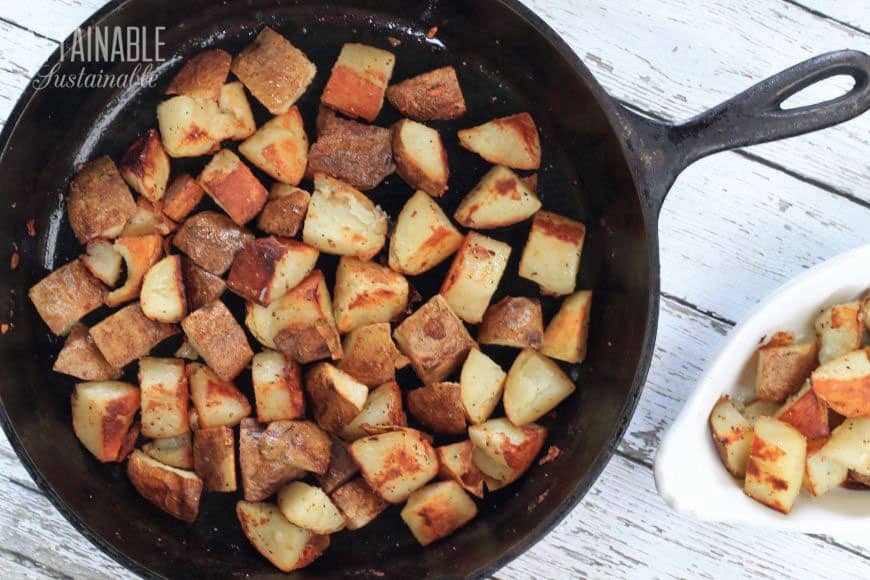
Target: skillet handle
x=754, y=116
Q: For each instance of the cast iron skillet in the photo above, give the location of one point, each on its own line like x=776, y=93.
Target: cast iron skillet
x=603, y=164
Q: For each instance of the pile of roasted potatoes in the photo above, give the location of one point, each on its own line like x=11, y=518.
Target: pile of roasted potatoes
x=324, y=444
x=809, y=423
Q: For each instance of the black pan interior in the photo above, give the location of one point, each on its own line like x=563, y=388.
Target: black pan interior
x=505, y=65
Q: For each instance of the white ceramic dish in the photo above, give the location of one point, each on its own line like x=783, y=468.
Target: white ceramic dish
x=688, y=473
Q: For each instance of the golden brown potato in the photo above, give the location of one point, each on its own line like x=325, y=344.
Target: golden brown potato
x=163, y=296
x=286, y=546
x=99, y=202
x=849, y=445
x=438, y=510
x=65, y=296
x=173, y=490
x=358, y=81
x=279, y=147
x=840, y=329
x=128, y=334
x=551, y=256
x=216, y=335
x=277, y=387
x=211, y=240
x=309, y=342
x=431, y=96
x=371, y=356
x=567, y=334
x=182, y=196
x=383, y=408
x=165, y=397
x=805, y=412
x=395, y=463
x=81, y=358
x=261, y=476
x=434, y=340
x=358, y=502
x=233, y=187
x=534, y=386
x=503, y=451
x=200, y=286
x=474, y=275
x=174, y=451
x=335, y=396
x=732, y=435
x=367, y=293
x=190, y=127
x=218, y=403
x=301, y=444
x=103, y=262
x=145, y=166
x=844, y=383
x=202, y=75
x=481, y=385
x=513, y=321
x=139, y=253
x=341, y=467
x=510, y=141
x=102, y=413
x=775, y=468
x=421, y=159
x=276, y=72
x=500, y=199
x=822, y=474
x=439, y=407
x=267, y=268
x=148, y=219
x=456, y=463
x=234, y=105
x=423, y=237
x=783, y=367
x=285, y=211
x=214, y=458
x=309, y=508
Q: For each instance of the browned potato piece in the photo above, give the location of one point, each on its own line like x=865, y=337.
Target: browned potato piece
x=500, y=199
x=840, y=329
x=190, y=127
x=358, y=81
x=165, y=397
x=383, y=408
x=421, y=158
x=267, y=268
x=218, y=403
x=148, y=219
x=434, y=340
x=145, y=166
x=822, y=473
x=308, y=507
x=216, y=335
x=510, y=141
x=335, y=396
x=66, y=295
x=261, y=476
x=844, y=383
x=239, y=119
x=371, y=356
x=438, y=510
x=275, y=71
x=285, y=211
x=309, y=342
x=102, y=413
x=279, y=147
x=455, y=463
x=163, y=296
x=186, y=351
x=139, y=253
x=341, y=467
x=174, y=451
x=481, y=385
x=776, y=464
x=103, y=262
x=783, y=367
x=359, y=504
x=551, y=256
x=233, y=187
x=128, y=334
x=395, y=463
x=200, y=286
x=367, y=293
x=211, y=240
x=286, y=546
x=513, y=321
x=214, y=458
x=173, y=490
x=805, y=412
x=474, y=276
x=534, y=386
x=81, y=358
x=301, y=444
x=202, y=75
x=439, y=407
x=423, y=238
x=182, y=196
x=732, y=435
x=277, y=387
x=503, y=451
x=567, y=334
x=431, y=96
x=99, y=202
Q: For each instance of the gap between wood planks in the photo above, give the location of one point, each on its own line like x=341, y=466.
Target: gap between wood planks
x=824, y=16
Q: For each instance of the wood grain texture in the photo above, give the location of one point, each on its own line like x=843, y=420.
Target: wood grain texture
x=855, y=13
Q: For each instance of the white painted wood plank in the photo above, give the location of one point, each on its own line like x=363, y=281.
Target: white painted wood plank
x=21, y=55
x=54, y=19
x=853, y=12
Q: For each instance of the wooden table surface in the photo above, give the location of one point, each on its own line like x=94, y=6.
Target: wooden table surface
x=735, y=227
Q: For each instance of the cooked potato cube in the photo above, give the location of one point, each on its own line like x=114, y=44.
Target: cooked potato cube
x=262, y=476
x=783, y=367
x=567, y=334
x=277, y=387
x=732, y=435
x=102, y=413
x=844, y=383
x=431, y=96
x=510, y=141
x=434, y=340
x=513, y=321
x=474, y=276
x=822, y=474
x=173, y=490
x=551, y=257
x=148, y=219
x=103, y=262
x=423, y=238
x=182, y=197
x=504, y=451
x=214, y=458
x=216, y=335
x=301, y=444
x=341, y=467
x=186, y=351
x=174, y=451
x=358, y=502
x=395, y=463
x=383, y=408
x=438, y=510
x=309, y=508
x=202, y=75
x=534, y=386
x=145, y=166
x=190, y=127
x=840, y=329
x=500, y=199
x=335, y=396
x=285, y=211
x=421, y=159
x=343, y=221
x=218, y=403
x=849, y=445
x=234, y=104
x=367, y=293
x=456, y=463
x=81, y=358
x=286, y=546
x=775, y=468
x=165, y=397
x=233, y=187
x=267, y=268
x=200, y=286
x=163, y=296
x=128, y=334
x=495, y=475
x=309, y=342
x=439, y=407
x=805, y=412
x=279, y=147
x=758, y=407
x=99, y=202
x=65, y=296
x=481, y=385
x=139, y=253
x=358, y=81
x=371, y=356
x=276, y=72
